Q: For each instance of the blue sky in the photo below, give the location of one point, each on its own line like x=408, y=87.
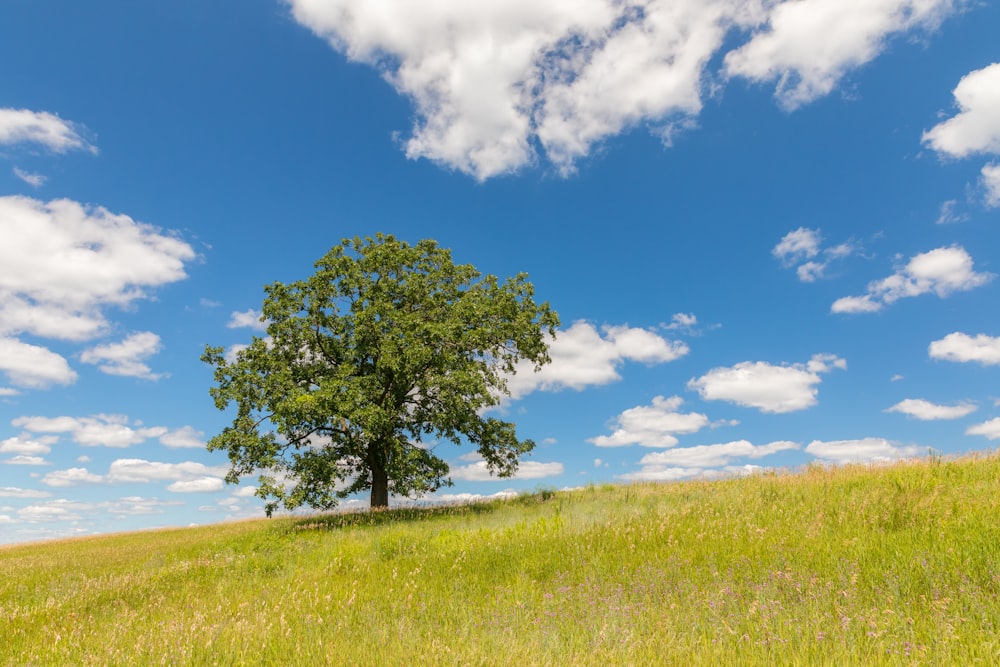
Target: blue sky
x=770, y=228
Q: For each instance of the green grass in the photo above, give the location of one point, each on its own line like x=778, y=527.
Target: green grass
x=893, y=565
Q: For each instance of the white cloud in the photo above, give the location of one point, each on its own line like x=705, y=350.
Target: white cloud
x=811, y=44
x=61, y=264
x=989, y=429
x=138, y=506
x=55, y=510
x=478, y=472
x=186, y=476
x=25, y=460
x=14, y=492
x=714, y=456
x=140, y=470
x=493, y=79
x=185, y=437
x=948, y=215
x=927, y=411
x=803, y=246
x=662, y=473
x=865, y=450
x=991, y=184
x=22, y=445
x=961, y=347
x=34, y=180
x=941, y=271
x=459, y=498
x=774, y=389
x=683, y=321
x=797, y=245
x=583, y=357
x=976, y=128
x=654, y=425
x=71, y=477
x=200, y=485
x=126, y=358
x=40, y=127
x=248, y=319
x=95, y=431
x=32, y=366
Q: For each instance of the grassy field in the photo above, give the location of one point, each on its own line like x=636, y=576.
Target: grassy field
x=859, y=565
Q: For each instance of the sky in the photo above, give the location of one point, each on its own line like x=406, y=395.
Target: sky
x=771, y=228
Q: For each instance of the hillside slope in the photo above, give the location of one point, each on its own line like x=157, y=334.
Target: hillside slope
x=853, y=565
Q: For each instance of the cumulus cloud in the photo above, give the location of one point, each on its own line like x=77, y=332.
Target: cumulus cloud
x=25, y=460
x=941, y=271
x=55, y=510
x=23, y=445
x=769, y=388
x=41, y=127
x=185, y=437
x=96, y=431
x=663, y=473
x=961, y=347
x=927, y=411
x=14, y=492
x=248, y=319
x=804, y=247
x=33, y=366
x=126, y=358
x=185, y=477
x=141, y=470
x=71, y=477
x=61, y=264
x=653, y=425
x=797, y=245
x=200, y=485
x=683, y=321
x=865, y=450
x=810, y=45
x=976, y=127
x=582, y=357
x=989, y=429
x=493, y=80
x=478, y=472
x=712, y=456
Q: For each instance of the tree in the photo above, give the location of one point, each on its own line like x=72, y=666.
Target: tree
x=386, y=350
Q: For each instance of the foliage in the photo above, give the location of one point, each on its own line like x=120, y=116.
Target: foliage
x=386, y=349
x=891, y=565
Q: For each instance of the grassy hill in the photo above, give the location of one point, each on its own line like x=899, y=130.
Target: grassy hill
x=853, y=565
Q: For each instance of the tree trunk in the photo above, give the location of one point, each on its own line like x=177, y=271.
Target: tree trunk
x=380, y=487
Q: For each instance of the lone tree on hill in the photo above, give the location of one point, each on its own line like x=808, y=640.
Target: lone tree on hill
x=384, y=347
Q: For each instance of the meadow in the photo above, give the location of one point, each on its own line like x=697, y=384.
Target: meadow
x=855, y=565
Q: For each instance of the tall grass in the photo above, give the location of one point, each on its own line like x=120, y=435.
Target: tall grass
x=854, y=565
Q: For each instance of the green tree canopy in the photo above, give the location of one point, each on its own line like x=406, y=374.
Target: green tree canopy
x=384, y=351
